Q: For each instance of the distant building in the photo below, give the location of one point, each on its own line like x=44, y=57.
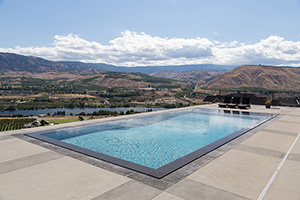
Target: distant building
x=258, y=100
x=275, y=102
x=211, y=99
x=170, y=101
x=28, y=125
x=36, y=122
x=148, y=89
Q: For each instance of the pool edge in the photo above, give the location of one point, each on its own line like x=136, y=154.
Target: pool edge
x=164, y=170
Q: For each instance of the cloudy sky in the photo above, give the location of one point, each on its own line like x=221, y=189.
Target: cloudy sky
x=154, y=32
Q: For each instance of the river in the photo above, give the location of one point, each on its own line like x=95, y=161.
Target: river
x=74, y=110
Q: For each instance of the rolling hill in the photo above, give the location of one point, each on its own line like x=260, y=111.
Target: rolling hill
x=16, y=62
x=253, y=76
x=125, y=80
x=89, y=80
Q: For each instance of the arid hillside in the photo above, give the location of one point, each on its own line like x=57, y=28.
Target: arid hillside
x=267, y=77
x=86, y=79
x=200, y=77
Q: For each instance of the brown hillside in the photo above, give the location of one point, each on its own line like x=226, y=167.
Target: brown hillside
x=199, y=77
x=90, y=78
x=268, y=77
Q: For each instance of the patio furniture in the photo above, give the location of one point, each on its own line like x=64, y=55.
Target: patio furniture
x=235, y=102
x=227, y=101
x=245, y=103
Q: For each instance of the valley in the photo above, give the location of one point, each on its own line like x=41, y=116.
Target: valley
x=26, y=90
x=28, y=82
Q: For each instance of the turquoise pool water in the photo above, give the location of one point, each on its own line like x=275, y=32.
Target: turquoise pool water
x=156, y=140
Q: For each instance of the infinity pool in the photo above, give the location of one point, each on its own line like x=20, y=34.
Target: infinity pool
x=157, y=143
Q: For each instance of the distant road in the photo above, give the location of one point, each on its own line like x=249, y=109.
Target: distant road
x=196, y=87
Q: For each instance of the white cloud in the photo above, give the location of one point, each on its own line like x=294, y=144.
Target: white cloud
x=136, y=49
x=274, y=50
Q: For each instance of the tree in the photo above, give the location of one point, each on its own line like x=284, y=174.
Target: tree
x=80, y=118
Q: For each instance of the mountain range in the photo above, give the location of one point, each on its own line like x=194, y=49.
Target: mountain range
x=205, y=75
x=16, y=62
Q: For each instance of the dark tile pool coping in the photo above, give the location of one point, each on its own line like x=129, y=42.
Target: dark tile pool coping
x=166, y=169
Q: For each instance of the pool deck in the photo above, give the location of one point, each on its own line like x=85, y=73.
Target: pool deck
x=258, y=163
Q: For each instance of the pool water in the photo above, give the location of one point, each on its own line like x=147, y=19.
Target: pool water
x=156, y=140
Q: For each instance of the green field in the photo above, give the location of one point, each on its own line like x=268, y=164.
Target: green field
x=14, y=124
x=61, y=121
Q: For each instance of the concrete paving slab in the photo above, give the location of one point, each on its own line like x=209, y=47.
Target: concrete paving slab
x=288, y=118
x=167, y=196
x=239, y=172
x=5, y=137
x=193, y=190
x=15, y=148
x=28, y=161
x=263, y=109
x=279, y=132
x=284, y=126
x=132, y=190
x=294, y=157
x=296, y=111
x=63, y=178
x=296, y=148
x=285, y=110
x=286, y=184
x=271, y=141
x=261, y=151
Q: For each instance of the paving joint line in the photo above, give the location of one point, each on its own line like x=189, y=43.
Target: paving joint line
x=260, y=151
x=285, y=121
x=261, y=196
x=279, y=132
x=27, y=161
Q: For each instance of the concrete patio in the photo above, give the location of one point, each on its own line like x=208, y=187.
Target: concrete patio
x=241, y=169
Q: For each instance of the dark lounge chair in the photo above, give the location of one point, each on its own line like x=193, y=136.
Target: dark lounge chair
x=227, y=101
x=245, y=103
x=235, y=102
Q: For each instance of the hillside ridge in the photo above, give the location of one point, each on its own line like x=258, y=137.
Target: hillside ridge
x=17, y=62
x=258, y=76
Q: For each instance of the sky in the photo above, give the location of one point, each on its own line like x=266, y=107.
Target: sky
x=154, y=32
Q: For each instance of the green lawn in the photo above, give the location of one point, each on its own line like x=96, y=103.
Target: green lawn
x=61, y=121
